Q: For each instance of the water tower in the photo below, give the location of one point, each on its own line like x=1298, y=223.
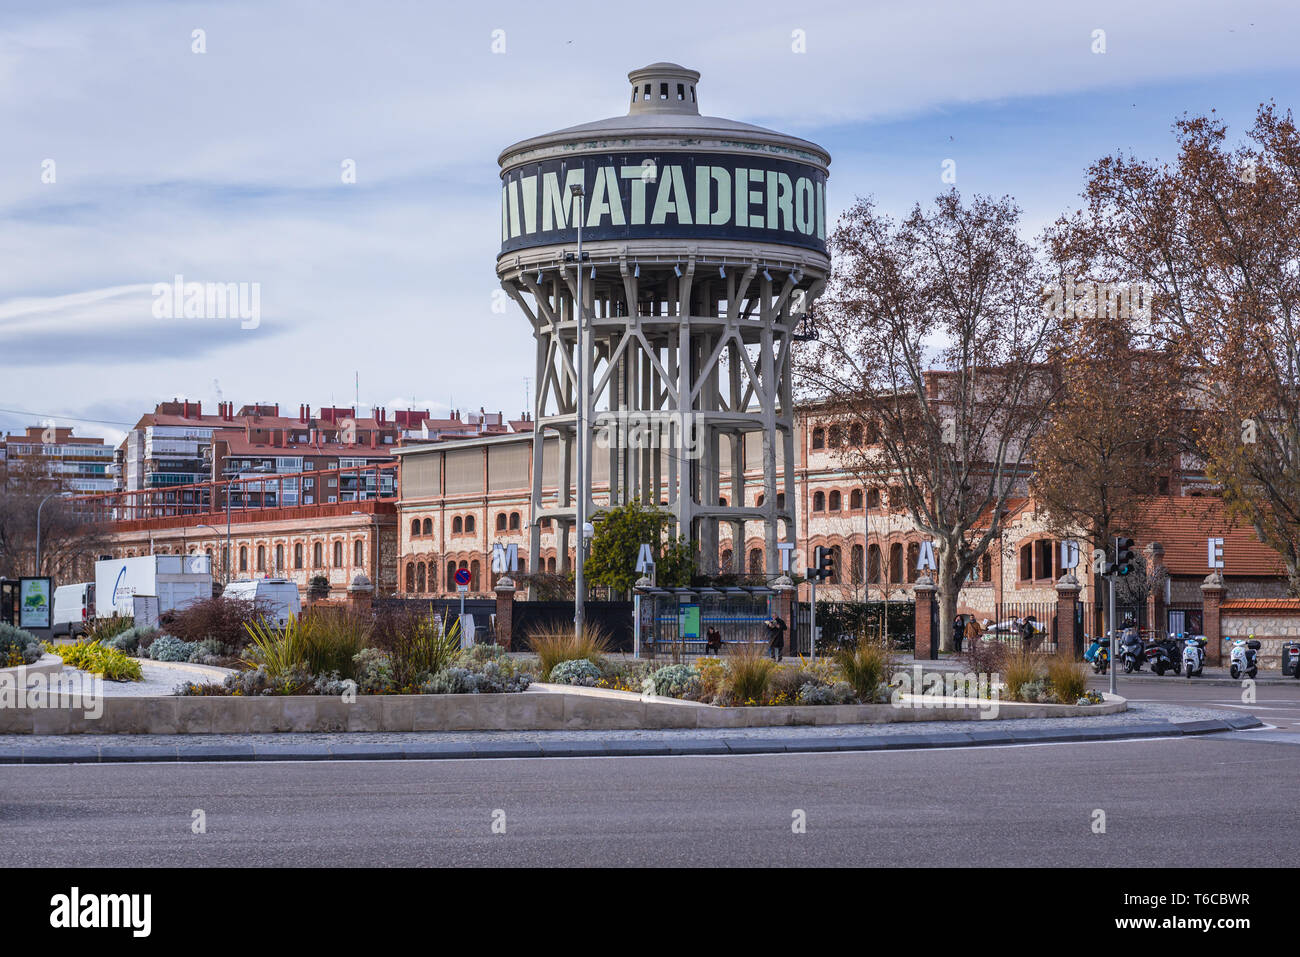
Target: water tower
x=703, y=244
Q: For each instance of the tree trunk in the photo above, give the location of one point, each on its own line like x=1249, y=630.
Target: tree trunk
x=947, y=593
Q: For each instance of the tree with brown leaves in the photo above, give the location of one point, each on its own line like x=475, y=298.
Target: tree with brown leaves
x=934, y=342
x=1217, y=234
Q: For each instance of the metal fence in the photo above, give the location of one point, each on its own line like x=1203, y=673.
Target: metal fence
x=1025, y=625
x=671, y=625
x=841, y=623
x=614, y=618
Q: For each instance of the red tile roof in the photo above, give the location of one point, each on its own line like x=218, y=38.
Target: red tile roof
x=1182, y=524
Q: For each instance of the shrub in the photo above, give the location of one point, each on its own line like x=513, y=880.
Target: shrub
x=331, y=637
x=167, y=648
x=429, y=646
x=749, y=671
x=223, y=619
x=17, y=647
x=787, y=682
x=986, y=656
x=579, y=671
x=713, y=677
x=374, y=672
x=864, y=666
x=99, y=659
x=1022, y=668
x=554, y=645
x=102, y=629
x=129, y=640
x=277, y=652
x=497, y=677
x=673, y=681
x=841, y=692
x=482, y=652
x=1068, y=679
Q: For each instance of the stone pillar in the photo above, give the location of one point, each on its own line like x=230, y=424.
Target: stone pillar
x=505, y=590
x=361, y=593
x=1157, y=613
x=926, y=643
x=1067, y=599
x=1211, y=598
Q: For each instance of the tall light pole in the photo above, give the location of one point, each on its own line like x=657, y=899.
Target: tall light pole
x=579, y=578
x=38, y=527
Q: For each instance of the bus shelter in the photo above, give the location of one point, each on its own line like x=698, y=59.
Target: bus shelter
x=677, y=620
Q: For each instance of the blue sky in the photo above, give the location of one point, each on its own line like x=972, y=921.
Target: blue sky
x=225, y=166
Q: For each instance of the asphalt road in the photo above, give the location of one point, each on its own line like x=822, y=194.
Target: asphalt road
x=1276, y=704
x=1015, y=806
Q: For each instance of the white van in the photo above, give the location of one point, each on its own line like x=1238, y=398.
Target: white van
x=278, y=597
x=74, y=609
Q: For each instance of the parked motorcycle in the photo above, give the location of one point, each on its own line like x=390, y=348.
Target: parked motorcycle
x=1194, y=655
x=1164, y=655
x=1131, y=653
x=1245, y=657
x=1291, y=659
x=1099, y=654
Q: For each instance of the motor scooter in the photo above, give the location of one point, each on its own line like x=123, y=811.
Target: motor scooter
x=1194, y=655
x=1245, y=657
x=1131, y=653
x=1291, y=659
x=1163, y=654
x=1099, y=654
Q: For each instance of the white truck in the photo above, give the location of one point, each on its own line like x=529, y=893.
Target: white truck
x=175, y=580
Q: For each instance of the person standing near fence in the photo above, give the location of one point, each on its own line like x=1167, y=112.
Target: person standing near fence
x=776, y=637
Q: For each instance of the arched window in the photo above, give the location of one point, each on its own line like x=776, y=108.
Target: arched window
x=297, y=555
x=243, y=558
x=450, y=581
x=986, y=565
x=873, y=498
x=837, y=574
x=724, y=562
x=722, y=500
x=473, y=575
x=317, y=555
x=780, y=501
x=855, y=500
x=819, y=438
x=873, y=564
x=836, y=436
x=457, y=526
x=855, y=565
x=834, y=502
x=338, y=554
x=415, y=527
x=428, y=526
x=855, y=435
x=419, y=578
x=550, y=565
x=501, y=521
x=261, y=558
x=756, y=561
x=469, y=523
x=358, y=553
x=819, y=501
x=410, y=576
x=433, y=576
x=514, y=521
x=279, y=559
x=913, y=559
x=758, y=502
x=896, y=562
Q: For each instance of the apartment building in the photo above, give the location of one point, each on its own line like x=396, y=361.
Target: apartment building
x=74, y=463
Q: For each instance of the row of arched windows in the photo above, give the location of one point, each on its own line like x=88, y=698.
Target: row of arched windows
x=836, y=436
x=506, y=521
x=833, y=500
x=256, y=559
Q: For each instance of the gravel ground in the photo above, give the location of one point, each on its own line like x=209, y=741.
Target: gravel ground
x=160, y=678
x=1136, y=714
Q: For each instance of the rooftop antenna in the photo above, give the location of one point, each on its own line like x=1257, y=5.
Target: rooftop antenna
x=527, y=383
x=356, y=396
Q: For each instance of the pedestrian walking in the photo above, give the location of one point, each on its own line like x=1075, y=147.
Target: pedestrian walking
x=776, y=637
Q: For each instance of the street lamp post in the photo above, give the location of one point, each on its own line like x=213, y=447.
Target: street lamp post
x=38, y=527
x=226, y=560
x=579, y=578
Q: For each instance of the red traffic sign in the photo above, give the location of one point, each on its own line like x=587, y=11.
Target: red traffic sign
x=462, y=576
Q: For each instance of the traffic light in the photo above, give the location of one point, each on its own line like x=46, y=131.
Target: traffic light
x=1124, y=555
x=824, y=562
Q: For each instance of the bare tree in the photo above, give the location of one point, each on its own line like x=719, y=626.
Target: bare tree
x=934, y=340
x=69, y=540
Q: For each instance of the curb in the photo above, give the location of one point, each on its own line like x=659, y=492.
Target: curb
x=434, y=750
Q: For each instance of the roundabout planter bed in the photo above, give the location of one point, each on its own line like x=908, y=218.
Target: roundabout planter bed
x=542, y=708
